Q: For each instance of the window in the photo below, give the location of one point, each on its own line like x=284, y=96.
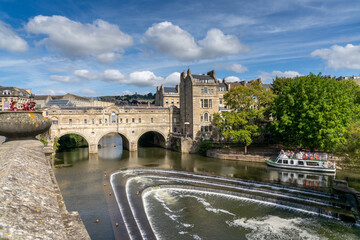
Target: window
x=163, y=119
x=113, y=117
x=93, y=121
x=105, y=120
x=167, y=101
x=202, y=91
x=99, y=121
x=133, y=120
x=127, y=120
x=177, y=101
x=139, y=120
x=85, y=121
x=301, y=162
x=285, y=161
x=201, y=103
x=202, y=128
x=174, y=120
x=220, y=100
x=206, y=103
x=210, y=128
x=172, y=101
x=210, y=103
x=206, y=128
x=205, y=90
x=291, y=162
x=120, y=120
x=201, y=118
x=70, y=121
x=206, y=117
x=151, y=120
x=210, y=118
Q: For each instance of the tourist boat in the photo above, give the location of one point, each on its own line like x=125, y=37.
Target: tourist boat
x=303, y=162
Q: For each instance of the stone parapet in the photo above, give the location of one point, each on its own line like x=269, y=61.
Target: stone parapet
x=32, y=206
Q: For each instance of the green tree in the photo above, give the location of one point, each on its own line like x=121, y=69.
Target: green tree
x=350, y=148
x=313, y=111
x=249, y=104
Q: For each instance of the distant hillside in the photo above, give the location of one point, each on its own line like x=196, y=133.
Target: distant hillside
x=134, y=99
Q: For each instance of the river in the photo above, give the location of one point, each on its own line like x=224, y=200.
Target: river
x=83, y=191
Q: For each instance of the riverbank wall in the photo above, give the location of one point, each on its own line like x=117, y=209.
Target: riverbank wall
x=253, y=155
x=32, y=206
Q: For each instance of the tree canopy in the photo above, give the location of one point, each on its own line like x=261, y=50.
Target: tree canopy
x=313, y=111
x=248, y=104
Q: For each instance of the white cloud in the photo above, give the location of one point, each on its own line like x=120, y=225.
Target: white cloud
x=60, y=78
x=10, y=41
x=88, y=92
x=238, y=68
x=232, y=79
x=141, y=79
x=144, y=78
x=127, y=92
x=108, y=57
x=52, y=92
x=265, y=76
x=174, y=41
x=173, y=79
x=85, y=74
x=113, y=75
x=340, y=57
x=74, y=39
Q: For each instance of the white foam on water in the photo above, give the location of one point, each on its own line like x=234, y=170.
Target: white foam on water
x=219, y=210
x=274, y=227
x=196, y=237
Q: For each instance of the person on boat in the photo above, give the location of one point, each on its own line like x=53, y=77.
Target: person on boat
x=282, y=152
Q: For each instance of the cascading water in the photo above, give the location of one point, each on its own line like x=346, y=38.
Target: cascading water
x=168, y=204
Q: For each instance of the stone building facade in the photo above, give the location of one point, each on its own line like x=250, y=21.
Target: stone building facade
x=13, y=94
x=167, y=96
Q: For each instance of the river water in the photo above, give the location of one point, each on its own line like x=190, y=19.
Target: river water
x=189, y=214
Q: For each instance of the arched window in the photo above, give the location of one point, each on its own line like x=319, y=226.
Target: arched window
x=113, y=117
x=206, y=117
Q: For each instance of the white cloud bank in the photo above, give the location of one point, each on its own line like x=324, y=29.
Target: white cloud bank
x=176, y=42
x=340, y=57
x=60, y=78
x=140, y=78
x=238, y=68
x=265, y=76
x=101, y=39
x=85, y=74
x=232, y=79
x=10, y=41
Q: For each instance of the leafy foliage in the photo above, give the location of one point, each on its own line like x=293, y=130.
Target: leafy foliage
x=70, y=141
x=204, y=146
x=350, y=148
x=249, y=105
x=313, y=111
x=44, y=141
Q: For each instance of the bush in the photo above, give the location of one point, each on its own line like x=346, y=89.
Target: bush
x=204, y=146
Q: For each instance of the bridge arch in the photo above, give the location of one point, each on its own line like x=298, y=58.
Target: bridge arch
x=125, y=139
x=152, y=138
x=58, y=136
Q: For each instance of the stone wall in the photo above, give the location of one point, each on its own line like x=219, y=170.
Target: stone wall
x=32, y=206
x=253, y=155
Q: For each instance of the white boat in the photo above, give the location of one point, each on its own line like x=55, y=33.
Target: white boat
x=304, y=162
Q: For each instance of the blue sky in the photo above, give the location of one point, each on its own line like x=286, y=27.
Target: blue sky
x=96, y=48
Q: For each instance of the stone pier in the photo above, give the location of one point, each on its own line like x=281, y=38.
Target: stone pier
x=32, y=206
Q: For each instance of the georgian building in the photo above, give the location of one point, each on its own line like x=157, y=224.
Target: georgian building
x=13, y=94
x=167, y=96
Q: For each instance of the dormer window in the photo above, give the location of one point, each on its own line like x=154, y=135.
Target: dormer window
x=6, y=92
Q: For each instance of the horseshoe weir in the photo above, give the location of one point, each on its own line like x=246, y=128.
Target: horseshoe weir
x=168, y=204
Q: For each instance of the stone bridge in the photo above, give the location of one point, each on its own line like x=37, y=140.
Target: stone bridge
x=129, y=122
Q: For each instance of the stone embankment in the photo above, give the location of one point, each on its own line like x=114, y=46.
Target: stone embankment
x=253, y=155
x=32, y=206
